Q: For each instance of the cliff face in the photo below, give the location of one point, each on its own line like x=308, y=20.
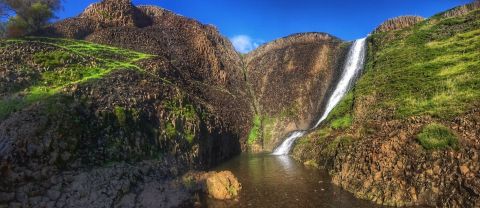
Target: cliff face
x=288, y=79
x=201, y=61
x=408, y=133
x=398, y=23
x=73, y=108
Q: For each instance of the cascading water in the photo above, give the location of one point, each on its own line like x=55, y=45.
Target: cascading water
x=352, y=68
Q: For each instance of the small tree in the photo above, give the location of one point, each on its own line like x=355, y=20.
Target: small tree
x=30, y=15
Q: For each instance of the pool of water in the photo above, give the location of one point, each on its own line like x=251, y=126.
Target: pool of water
x=280, y=181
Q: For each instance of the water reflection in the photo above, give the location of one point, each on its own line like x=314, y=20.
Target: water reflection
x=280, y=181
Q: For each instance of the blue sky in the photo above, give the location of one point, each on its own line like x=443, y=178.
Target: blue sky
x=250, y=23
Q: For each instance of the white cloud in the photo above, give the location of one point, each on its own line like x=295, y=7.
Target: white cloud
x=244, y=43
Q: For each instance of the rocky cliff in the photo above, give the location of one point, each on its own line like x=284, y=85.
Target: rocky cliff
x=288, y=79
x=398, y=23
x=201, y=61
x=408, y=133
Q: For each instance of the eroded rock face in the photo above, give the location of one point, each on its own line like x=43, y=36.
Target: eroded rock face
x=201, y=61
x=116, y=13
x=461, y=10
x=289, y=79
x=398, y=23
x=391, y=168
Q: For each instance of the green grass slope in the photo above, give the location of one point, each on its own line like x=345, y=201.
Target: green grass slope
x=61, y=64
x=431, y=69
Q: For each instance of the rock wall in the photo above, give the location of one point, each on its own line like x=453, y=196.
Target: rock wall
x=462, y=10
x=388, y=167
x=288, y=79
x=73, y=137
x=398, y=23
x=201, y=61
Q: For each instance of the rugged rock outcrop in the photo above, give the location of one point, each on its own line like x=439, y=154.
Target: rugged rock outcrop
x=201, y=61
x=462, y=10
x=398, y=23
x=221, y=185
x=54, y=142
x=288, y=79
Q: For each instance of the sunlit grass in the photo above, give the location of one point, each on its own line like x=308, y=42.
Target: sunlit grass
x=434, y=69
x=74, y=62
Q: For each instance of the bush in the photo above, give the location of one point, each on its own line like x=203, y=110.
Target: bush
x=437, y=136
x=30, y=15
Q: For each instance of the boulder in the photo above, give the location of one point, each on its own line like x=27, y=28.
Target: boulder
x=218, y=185
x=223, y=185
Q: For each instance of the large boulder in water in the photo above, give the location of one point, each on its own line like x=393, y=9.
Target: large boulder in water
x=221, y=185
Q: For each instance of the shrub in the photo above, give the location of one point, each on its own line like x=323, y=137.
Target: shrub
x=342, y=123
x=52, y=59
x=30, y=15
x=437, y=136
x=254, y=132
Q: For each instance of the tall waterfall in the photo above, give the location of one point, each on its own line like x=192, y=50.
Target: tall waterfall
x=352, y=68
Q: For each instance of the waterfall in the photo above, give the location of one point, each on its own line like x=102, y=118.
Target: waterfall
x=352, y=68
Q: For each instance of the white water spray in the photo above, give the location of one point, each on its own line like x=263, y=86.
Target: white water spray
x=352, y=68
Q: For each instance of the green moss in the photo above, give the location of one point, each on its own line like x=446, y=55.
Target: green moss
x=344, y=107
x=190, y=137
x=170, y=130
x=121, y=115
x=268, y=126
x=181, y=109
x=255, y=131
x=437, y=136
x=342, y=123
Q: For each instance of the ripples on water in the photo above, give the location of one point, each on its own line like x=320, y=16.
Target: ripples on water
x=280, y=181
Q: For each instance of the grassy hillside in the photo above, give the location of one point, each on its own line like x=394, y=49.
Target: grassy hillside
x=407, y=131
x=61, y=63
x=431, y=69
